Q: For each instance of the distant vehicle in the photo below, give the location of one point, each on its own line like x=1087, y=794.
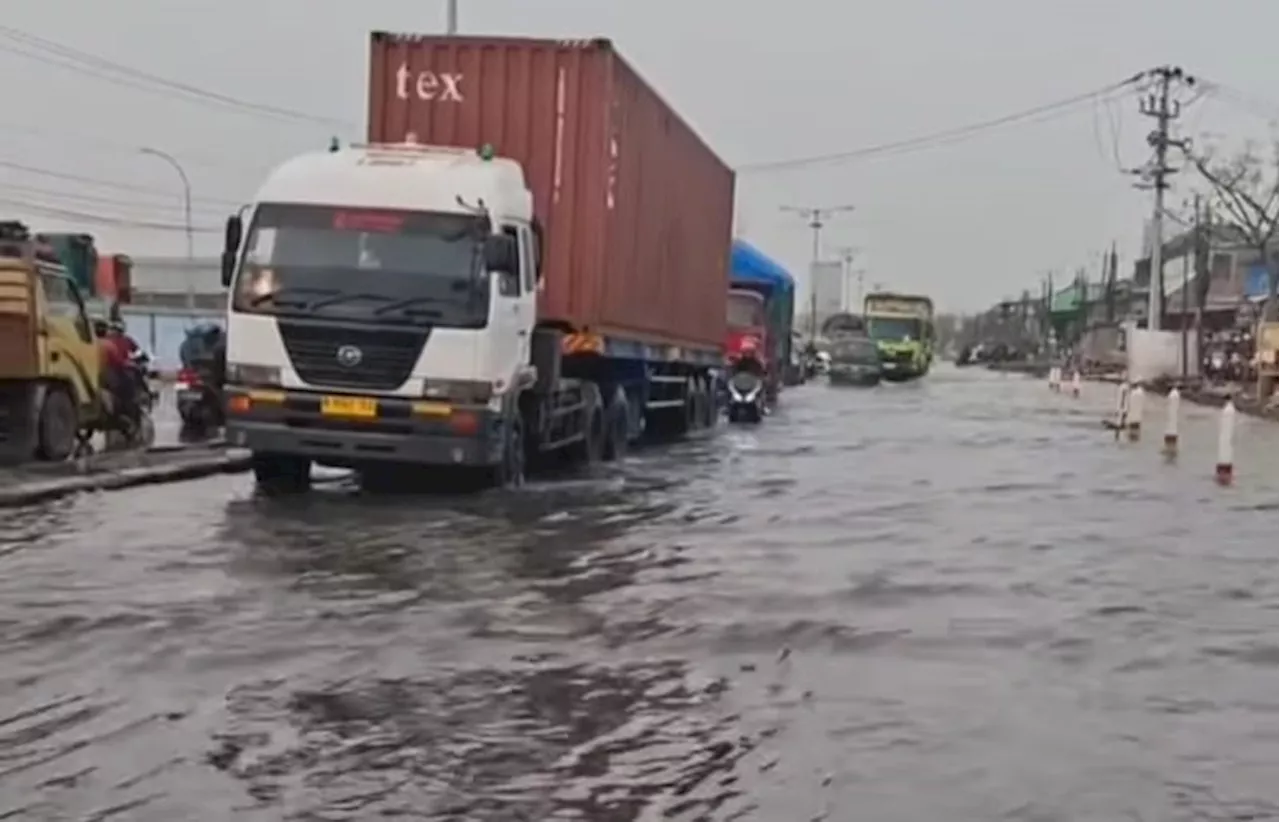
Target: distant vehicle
x=200, y=381
x=747, y=358
x=855, y=361
x=401, y=303
x=902, y=325
x=753, y=272
x=51, y=395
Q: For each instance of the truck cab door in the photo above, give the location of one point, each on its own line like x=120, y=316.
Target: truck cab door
x=71, y=351
x=514, y=309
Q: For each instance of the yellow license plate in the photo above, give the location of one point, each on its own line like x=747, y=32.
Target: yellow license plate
x=359, y=407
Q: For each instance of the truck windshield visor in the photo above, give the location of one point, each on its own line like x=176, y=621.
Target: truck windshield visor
x=378, y=263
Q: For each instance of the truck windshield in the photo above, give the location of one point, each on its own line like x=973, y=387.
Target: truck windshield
x=387, y=266
x=745, y=310
x=893, y=329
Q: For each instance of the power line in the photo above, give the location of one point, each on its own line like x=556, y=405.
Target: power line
x=82, y=141
x=91, y=199
x=102, y=219
x=33, y=47
x=102, y=183
x=1038, y=113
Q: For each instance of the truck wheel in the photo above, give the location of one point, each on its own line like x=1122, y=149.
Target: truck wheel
x=617, y=426
x=511, y=472
x=588, y=450
x=281, y=473
x=57, y=426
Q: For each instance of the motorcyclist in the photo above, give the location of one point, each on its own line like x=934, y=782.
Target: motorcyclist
x=113, y=355
x=121, y=377
x=204, y=347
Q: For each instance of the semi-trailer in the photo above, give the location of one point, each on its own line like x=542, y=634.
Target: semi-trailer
x=529, y=256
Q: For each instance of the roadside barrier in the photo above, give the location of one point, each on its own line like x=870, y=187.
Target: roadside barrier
x=1126, y=419
x=1172, y=408
x=1225, y=469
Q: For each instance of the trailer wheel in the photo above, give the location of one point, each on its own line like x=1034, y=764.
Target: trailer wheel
x=710, y=414
x=692, y=407
x=617, y=426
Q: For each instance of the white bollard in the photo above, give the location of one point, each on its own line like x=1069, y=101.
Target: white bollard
x=1075, y=384
x=1122, y=408
x=1171, y=424
x=1225, y=468
x=1134, y=417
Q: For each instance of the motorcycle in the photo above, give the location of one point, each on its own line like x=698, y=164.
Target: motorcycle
x=132, y=425
x=747, y=401
x=199, y=401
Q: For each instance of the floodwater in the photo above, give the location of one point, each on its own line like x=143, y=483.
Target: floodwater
x=955, y=600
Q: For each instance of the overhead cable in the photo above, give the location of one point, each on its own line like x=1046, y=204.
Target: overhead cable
x=34, y=47
x=1040, y=113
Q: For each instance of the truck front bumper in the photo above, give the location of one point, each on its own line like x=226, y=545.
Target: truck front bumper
x=402, y=430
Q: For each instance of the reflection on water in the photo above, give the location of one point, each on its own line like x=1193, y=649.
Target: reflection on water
x=898, y=604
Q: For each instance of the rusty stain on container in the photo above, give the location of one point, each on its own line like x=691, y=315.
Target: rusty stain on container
x=637, y=209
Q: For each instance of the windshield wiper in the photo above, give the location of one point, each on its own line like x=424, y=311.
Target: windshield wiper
x=409, y=308
x=275, y=297
x=346, y=296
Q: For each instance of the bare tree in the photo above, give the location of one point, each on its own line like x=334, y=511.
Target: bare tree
x=1244, y=189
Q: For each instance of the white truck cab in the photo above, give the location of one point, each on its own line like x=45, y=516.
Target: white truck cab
x=381, y=309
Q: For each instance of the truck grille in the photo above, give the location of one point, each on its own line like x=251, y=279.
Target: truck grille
x=386, y=355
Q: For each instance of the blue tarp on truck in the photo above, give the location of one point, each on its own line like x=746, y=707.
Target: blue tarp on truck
x=749, y=266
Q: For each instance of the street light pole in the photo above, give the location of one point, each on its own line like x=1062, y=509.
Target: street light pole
x=817, y=219
x=451, y=17
x=847, y=254
x=186, y=194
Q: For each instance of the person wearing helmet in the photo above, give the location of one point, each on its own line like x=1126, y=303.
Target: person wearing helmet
x=117, y=350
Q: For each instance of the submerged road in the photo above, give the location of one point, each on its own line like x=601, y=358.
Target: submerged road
x=956, y=600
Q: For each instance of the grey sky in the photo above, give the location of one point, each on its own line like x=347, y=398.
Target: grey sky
x=968, y=223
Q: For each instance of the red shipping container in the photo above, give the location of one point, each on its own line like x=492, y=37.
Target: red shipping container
x=104, y=278
x=638, y=211
x=124, y=278
x=112, y=278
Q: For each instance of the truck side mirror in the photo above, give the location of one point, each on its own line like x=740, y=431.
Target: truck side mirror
x=228, y=267
x=500, y=254
x=230, y=246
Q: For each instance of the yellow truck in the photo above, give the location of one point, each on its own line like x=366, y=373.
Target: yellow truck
x=50, y=400
x=902, y=326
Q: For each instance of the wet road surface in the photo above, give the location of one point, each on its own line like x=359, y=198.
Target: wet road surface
x=956, y=600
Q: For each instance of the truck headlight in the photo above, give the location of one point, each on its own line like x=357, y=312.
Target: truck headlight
x=466, y=392
x=252, y=375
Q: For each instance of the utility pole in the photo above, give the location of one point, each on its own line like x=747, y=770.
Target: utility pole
x=817, y=218
x=847, y=254
x=1160, y=106
x=1187, y=256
